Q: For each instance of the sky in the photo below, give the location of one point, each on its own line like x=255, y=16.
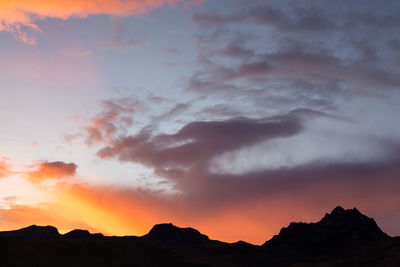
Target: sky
x=233, y=117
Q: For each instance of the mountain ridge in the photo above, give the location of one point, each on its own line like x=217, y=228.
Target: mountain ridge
x=341, y=237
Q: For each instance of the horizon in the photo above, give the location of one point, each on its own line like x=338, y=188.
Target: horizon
x=216, y=115
x=340, y=208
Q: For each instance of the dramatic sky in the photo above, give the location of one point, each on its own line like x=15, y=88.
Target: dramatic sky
x=233, y=117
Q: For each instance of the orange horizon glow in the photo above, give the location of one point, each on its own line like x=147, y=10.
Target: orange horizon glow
x=114, y=212
x=117, y=212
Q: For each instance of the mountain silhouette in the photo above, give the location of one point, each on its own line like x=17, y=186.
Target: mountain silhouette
x=339, y=230
x=82, y=234
x=340, y=238
x=34, y=232
x=167, y=233
x=338, y=233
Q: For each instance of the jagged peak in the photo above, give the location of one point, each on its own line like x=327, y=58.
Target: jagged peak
x=341, y=210
x=338, y=209
x=349, y=215
x=339, y=227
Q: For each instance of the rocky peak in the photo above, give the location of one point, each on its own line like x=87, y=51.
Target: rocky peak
x=339, y=230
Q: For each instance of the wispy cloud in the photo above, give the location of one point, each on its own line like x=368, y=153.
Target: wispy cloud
x=116, y=116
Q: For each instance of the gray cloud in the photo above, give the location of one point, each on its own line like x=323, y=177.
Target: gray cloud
x=197, y=142
x=306, y=20
x=314, y=54
x=318, y=16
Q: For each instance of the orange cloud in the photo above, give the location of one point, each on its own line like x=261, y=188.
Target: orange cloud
x=16, y=14
x=5, y=169
x=54, y=170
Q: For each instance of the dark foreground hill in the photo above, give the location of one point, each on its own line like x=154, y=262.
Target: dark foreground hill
x=341, y=238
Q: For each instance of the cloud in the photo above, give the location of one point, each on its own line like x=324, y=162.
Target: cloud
x=114, y=117
x=294, y=64
x=17, y=15
x=307, y=20
x=313, y=55
x=141, y=111
x=197, y=142
x=235, y=50
x=305, y=17
x=202, y=154
x=5, y=169
x=52, y=170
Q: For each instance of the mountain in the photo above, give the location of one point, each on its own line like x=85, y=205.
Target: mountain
x=82, y=234
x=34, y=232
x=169, y=234
x=340, y=238
x=338, y=234
x=340, y=230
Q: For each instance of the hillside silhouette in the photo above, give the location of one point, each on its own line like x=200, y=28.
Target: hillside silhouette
x=340, y=238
